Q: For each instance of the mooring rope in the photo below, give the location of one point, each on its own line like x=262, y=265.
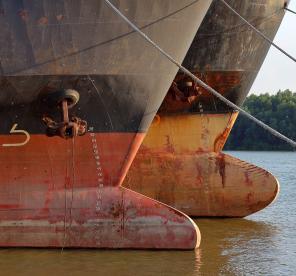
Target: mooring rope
x=258, y=32
x=200, y=82
x=287, y=9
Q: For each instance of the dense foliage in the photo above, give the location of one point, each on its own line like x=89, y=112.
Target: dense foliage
x=278, y=111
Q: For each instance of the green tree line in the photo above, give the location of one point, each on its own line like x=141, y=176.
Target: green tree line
x=278, y=111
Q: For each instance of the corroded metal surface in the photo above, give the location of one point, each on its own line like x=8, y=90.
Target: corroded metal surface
x=180, y=164
x=113, y=217
x=180, y=161
x=227, y=54
x=66, y=192
x=189, y=133
x=203, y=184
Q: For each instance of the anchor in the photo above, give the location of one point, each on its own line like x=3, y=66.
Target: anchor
x=68, y=127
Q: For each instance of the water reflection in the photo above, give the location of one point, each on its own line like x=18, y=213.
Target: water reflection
x=235, y=246
x=97, y=262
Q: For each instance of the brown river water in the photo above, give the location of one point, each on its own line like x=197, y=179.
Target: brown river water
x=261, y=244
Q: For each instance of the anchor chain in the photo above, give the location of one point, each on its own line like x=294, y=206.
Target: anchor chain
x=68, y=127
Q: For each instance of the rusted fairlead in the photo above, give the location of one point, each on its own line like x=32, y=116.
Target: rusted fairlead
x=201, y=83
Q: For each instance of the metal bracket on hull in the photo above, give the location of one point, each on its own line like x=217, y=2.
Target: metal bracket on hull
x=67, y=128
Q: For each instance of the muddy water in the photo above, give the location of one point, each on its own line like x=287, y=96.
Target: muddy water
x=262, y=244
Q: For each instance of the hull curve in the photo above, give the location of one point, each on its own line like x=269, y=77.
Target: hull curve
x=181, y=156
x=47, y=46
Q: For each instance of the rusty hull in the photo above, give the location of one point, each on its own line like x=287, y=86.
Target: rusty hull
x=113, y=217
x=227, y=53
x=181, y=164
x=180, y=161
x=61, y=189
x=187, y=133
x=67, y=193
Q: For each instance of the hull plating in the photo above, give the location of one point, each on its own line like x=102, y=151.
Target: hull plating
x=112, y=217
x=57, y=192
x=180, y=164
x=180, y=161
x=227, y=54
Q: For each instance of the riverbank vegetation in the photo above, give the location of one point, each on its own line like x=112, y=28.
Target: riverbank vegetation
x=278, y=111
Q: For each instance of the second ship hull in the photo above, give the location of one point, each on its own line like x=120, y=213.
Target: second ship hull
x=180, y=161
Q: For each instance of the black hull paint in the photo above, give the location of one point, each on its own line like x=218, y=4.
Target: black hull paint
x=48, y=45
x=106, y=102
x=227, y=54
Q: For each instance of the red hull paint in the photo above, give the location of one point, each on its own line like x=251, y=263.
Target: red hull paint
x=66, y=193
x=111, y=217
x=53, y=163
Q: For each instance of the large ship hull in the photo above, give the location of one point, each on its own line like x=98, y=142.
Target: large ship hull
x=66, y=192
x=180, y=161
x=181, y=164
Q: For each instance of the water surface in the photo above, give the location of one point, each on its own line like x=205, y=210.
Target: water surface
x=261, y=244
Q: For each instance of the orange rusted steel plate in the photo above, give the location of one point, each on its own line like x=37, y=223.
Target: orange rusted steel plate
x=180, y=163
x=189, y=133
x=67, y=193
x=203, y=184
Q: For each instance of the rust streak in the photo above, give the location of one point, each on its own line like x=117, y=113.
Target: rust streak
x=220, y=163
x=24, y=14
x=43, y=20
